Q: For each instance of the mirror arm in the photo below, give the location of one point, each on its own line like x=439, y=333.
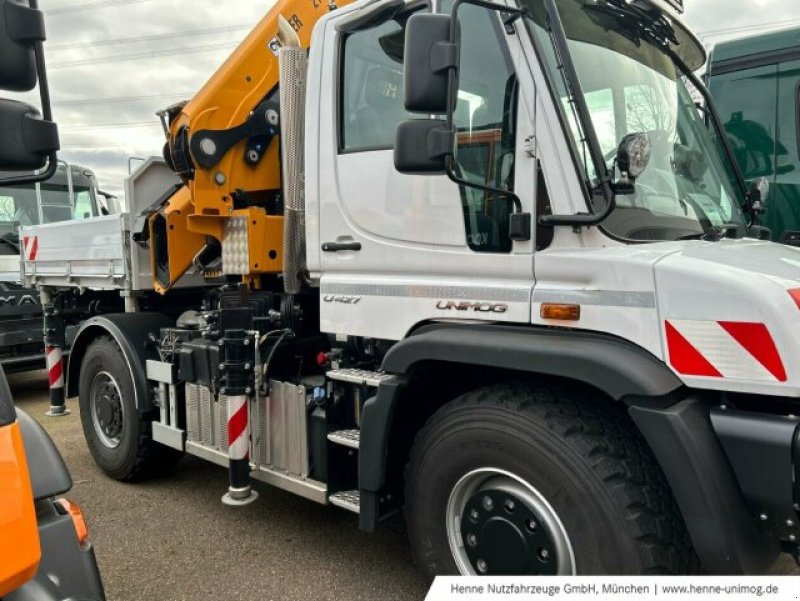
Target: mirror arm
x=451, y=173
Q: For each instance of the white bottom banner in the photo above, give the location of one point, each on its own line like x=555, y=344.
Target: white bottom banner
x=584, y=588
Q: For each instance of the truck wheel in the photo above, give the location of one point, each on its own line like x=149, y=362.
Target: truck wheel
x=512, y=479
x=118, y=436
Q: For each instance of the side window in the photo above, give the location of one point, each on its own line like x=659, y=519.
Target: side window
x=485, y=118
x=372, y=87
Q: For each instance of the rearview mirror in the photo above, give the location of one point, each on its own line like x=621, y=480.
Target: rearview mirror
x=422, y=146
x=27, y=140
x=21, y=28
x=429, y=57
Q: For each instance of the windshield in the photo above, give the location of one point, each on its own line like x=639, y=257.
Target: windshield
x=631, y=85
x=49, y=201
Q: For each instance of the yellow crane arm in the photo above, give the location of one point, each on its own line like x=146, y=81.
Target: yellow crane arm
x=222, y=143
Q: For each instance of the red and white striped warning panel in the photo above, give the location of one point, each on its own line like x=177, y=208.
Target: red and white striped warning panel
x=238, y=434
x=30, y=245
x=55, y=367
x=724, y=349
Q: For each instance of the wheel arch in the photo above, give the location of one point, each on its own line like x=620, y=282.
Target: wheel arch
x=132, y=333
x=440, y=361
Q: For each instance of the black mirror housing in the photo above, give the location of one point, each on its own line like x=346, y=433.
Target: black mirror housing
x=27, y=140
x=21, y=28
x=422, y=146
x=429, y=57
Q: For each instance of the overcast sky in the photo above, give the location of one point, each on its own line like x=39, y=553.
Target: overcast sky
x=113, y=63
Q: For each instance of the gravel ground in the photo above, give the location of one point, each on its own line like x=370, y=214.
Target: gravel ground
x=172, y=539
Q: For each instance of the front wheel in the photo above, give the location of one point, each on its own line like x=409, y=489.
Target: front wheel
x=117, y=434
x=514, y=479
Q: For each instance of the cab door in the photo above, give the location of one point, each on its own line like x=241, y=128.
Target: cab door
x=397, y=250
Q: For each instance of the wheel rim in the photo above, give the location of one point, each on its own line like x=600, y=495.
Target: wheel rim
x=499, y=524
x=108, y=413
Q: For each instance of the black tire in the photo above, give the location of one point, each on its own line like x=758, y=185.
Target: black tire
x=582, y=453
x=137, y=456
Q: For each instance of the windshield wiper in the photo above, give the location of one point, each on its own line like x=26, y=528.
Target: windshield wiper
x=716, y=233
x=567, y=68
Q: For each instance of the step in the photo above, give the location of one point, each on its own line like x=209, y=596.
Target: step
x=359, y=376
x=346, y=438
x=346, y=499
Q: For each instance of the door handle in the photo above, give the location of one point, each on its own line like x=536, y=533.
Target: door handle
x=335, y=247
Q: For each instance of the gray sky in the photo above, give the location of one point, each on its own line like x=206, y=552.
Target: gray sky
x=113, y=63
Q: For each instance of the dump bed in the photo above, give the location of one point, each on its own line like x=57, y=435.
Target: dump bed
x=99, y=253
x=90, y=253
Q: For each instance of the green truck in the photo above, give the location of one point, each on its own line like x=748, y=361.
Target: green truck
x=755, y=82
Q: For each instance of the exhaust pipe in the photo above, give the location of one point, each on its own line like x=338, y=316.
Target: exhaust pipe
x=292, y=67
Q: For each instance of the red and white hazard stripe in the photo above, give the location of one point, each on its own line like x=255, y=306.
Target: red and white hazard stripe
x=238, y=430
x=55, y=367
x=724, y=349
x=30, y=245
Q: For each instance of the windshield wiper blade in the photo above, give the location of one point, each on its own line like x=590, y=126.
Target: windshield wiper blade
x=716, y=233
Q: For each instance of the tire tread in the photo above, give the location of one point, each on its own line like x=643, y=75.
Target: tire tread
x=609, y=442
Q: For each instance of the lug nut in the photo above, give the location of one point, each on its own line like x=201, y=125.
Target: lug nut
x=544, y=554
x=510, y=506
x=474, y=515
x=482, y=566
x=472, y=540
x=488, y=504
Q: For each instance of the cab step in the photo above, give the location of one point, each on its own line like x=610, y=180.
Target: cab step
x=347, y=499
x=346, y=438
x=360, y=376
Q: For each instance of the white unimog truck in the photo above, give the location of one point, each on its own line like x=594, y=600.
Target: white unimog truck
x=542, y=323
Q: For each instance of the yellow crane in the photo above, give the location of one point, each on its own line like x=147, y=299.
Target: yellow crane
x=224, y=145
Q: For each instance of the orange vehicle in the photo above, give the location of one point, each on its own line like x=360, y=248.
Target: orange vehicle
x=45, y=553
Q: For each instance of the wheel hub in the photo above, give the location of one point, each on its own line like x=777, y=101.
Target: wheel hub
x=106, y=408
x=500, y=524
x=504, y=537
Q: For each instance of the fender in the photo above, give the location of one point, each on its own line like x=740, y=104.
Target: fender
x=616, y=367
x=613, y=365
x=131, y=331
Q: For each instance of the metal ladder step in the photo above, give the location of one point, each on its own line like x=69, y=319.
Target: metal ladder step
x=347, y=499
x=346, y=438
x=359, y=376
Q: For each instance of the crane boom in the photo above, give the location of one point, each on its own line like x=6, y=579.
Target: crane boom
x=222, y=144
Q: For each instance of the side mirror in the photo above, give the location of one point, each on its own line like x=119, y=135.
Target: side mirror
x=27, y=140
x=21, y=28
x=429, y=57
x=422, y=146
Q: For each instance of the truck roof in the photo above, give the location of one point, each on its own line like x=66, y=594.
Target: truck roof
x=756, y=50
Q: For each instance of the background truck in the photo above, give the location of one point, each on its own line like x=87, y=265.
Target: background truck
x=535, y=324
x=755, y=82
x=70, y=193
x=45, y=552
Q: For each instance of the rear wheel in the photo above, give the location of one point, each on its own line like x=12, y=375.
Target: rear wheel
x=514, y=479
x=118, y=435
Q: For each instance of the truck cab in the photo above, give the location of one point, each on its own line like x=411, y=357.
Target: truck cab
x=755, y=82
